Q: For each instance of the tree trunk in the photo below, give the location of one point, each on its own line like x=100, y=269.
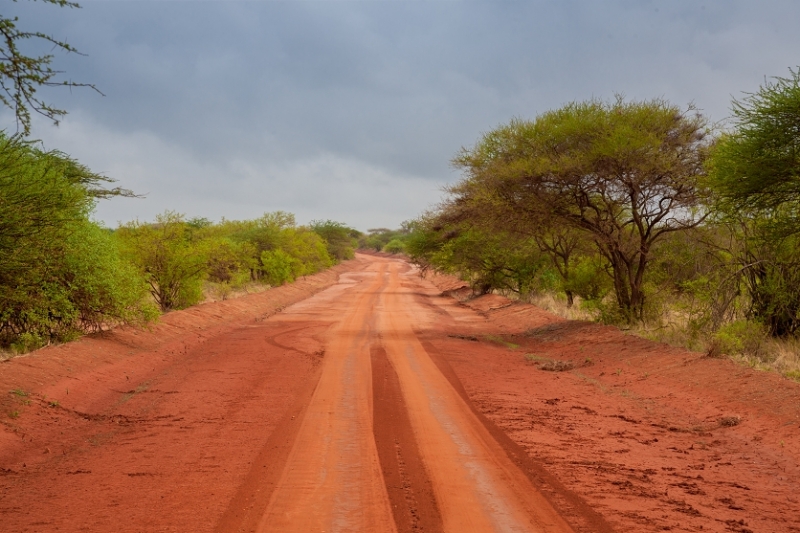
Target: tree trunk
x=621, y=285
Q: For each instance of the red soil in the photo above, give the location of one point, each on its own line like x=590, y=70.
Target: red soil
x=152, y=430
x=652, y=437
x=194, y=424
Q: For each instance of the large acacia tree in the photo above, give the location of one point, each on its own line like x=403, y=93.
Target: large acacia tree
x=624, y=173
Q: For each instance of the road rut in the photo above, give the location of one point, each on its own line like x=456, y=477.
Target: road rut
x=332, y=480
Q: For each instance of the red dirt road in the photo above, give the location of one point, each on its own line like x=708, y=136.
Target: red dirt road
x=373, y=403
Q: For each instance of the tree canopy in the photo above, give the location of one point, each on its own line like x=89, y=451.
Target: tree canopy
x=623, y=173
x=755, y=172
x=757, y=164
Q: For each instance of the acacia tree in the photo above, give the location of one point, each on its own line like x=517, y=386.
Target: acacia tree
x=21, y=73
x=172, y=265
x=755, y=169
x=757, y=165
x=475, y=205
x=625, y=173
x=341, y=239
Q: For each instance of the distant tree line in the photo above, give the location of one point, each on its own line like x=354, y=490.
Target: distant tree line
x=640, y=210
x=178, y=257
x=385, y=240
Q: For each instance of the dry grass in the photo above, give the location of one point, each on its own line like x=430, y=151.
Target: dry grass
x=549, y=365
x=776, y=355
x=672, y=334
x=773, y=355
x=558, y=306
x=218, y=292
x=730, y=421
x=557, y=366
x=756, y=351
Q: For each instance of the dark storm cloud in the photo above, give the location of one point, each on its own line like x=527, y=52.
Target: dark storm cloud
x=352, y=110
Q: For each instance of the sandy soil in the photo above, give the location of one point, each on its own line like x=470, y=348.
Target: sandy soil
x=364, y=399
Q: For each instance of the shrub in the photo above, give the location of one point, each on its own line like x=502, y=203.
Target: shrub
x=395, y=246
x=172, y=265
x=278, y=267
x=308, y=250
x=741, y=337
x=589, y=279
x=60, y=274
x=339, y=238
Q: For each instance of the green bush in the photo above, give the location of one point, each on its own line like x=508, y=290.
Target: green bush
x=278, y=267
x=103, y=285
x=308, y=250
x=173, y=266
x=225, y=259
x=339, y=238
x=395, y=246
x=87, y=286
x=588, y=279
x=378, y=238
x=60, y=274
x=27, y=342
x=741, y=337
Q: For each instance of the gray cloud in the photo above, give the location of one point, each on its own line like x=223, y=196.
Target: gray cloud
x=352, y=109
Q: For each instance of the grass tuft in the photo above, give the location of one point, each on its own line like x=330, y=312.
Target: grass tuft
x=730, y=421
x=557, y=366
x=501, y=341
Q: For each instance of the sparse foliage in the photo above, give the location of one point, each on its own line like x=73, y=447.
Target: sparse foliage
x=22, y=73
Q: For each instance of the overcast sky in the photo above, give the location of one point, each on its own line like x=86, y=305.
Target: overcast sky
x=352, y=110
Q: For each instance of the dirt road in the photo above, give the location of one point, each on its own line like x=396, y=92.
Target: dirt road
x=332, y=479
x=371, y=402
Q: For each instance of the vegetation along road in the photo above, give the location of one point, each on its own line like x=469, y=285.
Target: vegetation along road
x=368, y=398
